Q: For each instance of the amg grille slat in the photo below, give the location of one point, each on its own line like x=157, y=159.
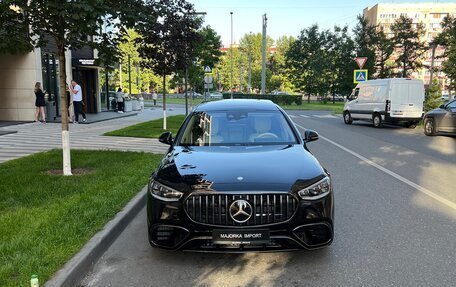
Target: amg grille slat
x=213, y=209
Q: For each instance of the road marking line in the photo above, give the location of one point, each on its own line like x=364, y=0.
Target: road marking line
x=293, y=116
x=305, y=116
x=325, y=116
x=393, y=174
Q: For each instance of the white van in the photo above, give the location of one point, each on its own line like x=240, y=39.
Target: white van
x=394, y=101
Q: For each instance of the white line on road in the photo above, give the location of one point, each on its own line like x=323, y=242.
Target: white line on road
x=305, y=116
x=293, y=116
x=393, y=174
x=325, y=116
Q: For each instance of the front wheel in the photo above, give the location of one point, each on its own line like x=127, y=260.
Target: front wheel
x=429, y=127
x=347, y=118
x=377, y=120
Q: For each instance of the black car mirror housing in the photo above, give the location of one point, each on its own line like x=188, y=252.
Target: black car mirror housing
x=442, y=106
x=166, y=138
x=311, y=136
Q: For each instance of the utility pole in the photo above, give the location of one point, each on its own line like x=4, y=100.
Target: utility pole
x=431, y=72
x=263, y=68
x=137, y=79
x=250, y=64
x=231, y=55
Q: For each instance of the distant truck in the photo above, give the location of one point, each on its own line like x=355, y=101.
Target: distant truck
x=392, y=101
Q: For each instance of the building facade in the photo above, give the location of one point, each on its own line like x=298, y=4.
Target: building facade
x=20, y=72
x=430, y=15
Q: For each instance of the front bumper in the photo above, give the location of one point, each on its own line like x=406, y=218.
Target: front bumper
x=310, y=227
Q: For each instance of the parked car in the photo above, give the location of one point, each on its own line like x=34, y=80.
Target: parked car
x=216, y=190
x=445, y=98
x=278, y=93
x=393, y=101
x=215, y=95
x=441, y=120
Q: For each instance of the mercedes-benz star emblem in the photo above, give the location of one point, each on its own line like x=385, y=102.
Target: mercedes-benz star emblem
x=240, y=210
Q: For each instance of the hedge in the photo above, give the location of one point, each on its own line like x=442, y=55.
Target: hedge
x=278, y=99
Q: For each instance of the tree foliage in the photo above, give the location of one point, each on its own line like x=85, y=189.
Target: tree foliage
x=408, y=44
x=364, y=38
x=448, y=39
x=433, y=96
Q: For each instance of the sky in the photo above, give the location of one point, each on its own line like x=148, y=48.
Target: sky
x=285, y=17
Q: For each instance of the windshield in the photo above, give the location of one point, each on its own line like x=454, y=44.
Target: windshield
x=219, y=128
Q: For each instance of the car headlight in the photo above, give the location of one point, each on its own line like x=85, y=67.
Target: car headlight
x=163, y=192
x=317, y=190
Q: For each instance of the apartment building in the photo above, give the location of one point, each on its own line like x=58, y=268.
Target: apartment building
x=428, y=14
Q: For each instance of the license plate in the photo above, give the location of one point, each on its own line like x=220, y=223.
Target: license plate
x=256, y=236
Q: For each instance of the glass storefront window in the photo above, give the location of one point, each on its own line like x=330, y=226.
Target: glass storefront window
x=110, y=77
x=50, y=68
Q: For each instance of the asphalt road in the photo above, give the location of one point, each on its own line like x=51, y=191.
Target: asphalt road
x=395, y=222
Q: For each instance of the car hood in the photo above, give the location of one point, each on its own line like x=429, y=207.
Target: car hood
x=240, y=168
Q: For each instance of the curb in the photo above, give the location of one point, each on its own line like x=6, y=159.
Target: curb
x=81, y=263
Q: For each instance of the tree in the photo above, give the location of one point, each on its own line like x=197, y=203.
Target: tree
x=364, y=43
x=307, y=61
x=340, y=58
x=384, y=47
x=277, y=65
x=68, y=24
x=448, y=39
x=206, y=53
x=408, y=44
x=433, y=97
x=169, y=34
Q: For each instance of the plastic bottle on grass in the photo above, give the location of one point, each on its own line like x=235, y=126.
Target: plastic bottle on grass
x=34, y=281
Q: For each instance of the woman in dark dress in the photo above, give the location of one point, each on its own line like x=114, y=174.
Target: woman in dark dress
x=39, y=103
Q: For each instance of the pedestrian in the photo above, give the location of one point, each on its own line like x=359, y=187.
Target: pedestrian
x=39, y=104
x=141, y=102
x=77, y=101
x=120, y=101
x=154, y=97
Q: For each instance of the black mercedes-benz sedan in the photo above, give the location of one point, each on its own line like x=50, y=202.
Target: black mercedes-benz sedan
x=238, y=177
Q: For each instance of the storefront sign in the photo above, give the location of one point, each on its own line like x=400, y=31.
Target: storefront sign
x=84, y=62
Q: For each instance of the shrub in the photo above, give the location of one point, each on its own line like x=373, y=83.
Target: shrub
x=277, y=99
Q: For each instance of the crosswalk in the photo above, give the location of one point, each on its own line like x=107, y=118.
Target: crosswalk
x=32, y=138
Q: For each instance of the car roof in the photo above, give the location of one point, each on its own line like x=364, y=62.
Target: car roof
x=237, y=104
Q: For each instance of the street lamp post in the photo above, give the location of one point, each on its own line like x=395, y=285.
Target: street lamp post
x=231, y=55
x=263, y=68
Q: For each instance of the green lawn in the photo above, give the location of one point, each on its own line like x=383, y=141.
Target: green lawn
x=175, y=101
x=150, y=129
x=45, y=219
x=336, y=107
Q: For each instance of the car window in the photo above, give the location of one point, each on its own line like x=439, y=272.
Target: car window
x=237, y=128
x=452, y=105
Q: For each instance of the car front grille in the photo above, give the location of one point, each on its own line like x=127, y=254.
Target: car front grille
x=213, y=209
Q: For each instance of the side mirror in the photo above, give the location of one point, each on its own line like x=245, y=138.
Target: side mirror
x=310, y=136
x=166, y=138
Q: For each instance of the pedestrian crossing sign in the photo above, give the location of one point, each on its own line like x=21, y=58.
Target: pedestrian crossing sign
x=359, y=76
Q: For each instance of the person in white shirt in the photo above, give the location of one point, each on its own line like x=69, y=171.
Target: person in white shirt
x=155, y=97
x=120, y=101
x=77, y=101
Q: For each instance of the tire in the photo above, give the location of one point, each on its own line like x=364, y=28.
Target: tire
x=377, y=121
x=429, y=127
x=347, y=118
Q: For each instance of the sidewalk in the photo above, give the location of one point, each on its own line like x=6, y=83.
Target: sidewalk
x=36, y=137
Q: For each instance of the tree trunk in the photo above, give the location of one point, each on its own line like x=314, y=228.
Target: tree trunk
x=164, y=101
x=64, y=111
x=308, y=98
